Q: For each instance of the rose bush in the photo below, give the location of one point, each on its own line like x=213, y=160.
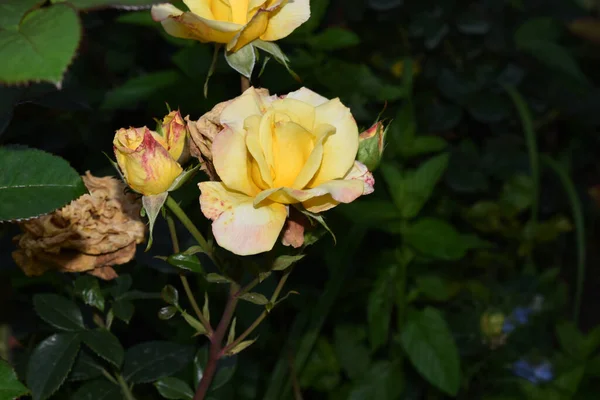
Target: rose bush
x=234, y=22
x=273, y=152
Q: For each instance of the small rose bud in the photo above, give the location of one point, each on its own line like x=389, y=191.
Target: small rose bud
x=144, y=160
x=175, y=133
x=492, y=324
x=371, y=145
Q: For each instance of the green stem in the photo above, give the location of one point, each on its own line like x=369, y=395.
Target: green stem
x=263, y=315
x=109, y=376
x=124, y=388
x=579, y=220
x=189, y=225
x=184, y=280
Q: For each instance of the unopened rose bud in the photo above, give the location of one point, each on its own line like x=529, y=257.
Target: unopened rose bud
x=175, y=132
x=371, y=145
x=144, y=160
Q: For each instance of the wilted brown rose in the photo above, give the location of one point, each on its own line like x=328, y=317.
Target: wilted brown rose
x=94, y=232
x=203, y=132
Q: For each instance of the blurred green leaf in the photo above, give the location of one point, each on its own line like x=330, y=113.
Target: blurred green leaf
x=88, y=288
x=40, y=44
x=138, y=89
x=555, y=57
x=100, y=389
x=430, y=347
x=10, y=387
x=187, y=262
x=433, y=287
x=283, y=262
x=50, y=364
x=383, y=381
x=243, y=60
x=167, y=313
x=149, y=361
x=85, y=367
x=104, y=344
x=410, y=190
x=58, y=312
x=152, y=205
x=174, y=389
x=322, y=370
x=351, y=350
x=379, y=306
x=34, y=182
x=123, y=310
x=438, y=239
x=539, y=28
x=333, y=39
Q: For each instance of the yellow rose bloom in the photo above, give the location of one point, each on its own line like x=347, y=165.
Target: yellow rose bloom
x=174, y=133
x=276, y=151
x=144, y=160
x=234, y=22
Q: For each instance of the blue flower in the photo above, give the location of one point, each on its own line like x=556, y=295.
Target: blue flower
x=541, y=372
x=521, y=314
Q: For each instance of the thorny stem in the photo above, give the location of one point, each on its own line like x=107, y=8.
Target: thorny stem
x=184, y=280
x=263, y=315
x=216, y=340
x=124, y=388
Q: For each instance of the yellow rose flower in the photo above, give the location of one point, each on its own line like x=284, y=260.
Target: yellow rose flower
x=144, y=160
x=234, y=22
x=276, y=151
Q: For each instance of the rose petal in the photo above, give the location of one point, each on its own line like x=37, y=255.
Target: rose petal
x=230, y=159
x=307, y=96
x=203, y=8
x=191, y=26
x=239, y=226
x=234, y=114
x=313, y=163
x=299, y=111
x=255, y=27
x=292, y=146
x=339, y=150
x=252, y=125
x=287, y=18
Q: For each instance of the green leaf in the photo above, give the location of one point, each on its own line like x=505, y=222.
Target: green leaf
x=255, y=298
x=121, y=285
x=174, y=389
x=194, y=323
x=226, y=367
x=58, y=312
x=170, y=295
x=351, y=350
x=139, y=89
x=540, y=28
x=433, y=287
x=283, y=262
x=241, y=346
x=187, y=262
x=40, y=46
x=322, y=370
x=85, y=367
x=153, y=205
x=105, y=344
x=50, y=364
x=423, y=145
x=147, y=362
x=379, y=307
x=167, y=313
x=410, y=190
x=11, y=11
x=430, y=347
x=216, y=278
x=334, y=39
x=123, y=310
x=88, y=288
x=273, y=49
x=436, y=238
x=10, y=387
x=98, y=4
x=383, y=380
x=34, y=182
x=99, y=389
x=243, y=60
x=571, y=340
x=205, y=308
x=555, y=57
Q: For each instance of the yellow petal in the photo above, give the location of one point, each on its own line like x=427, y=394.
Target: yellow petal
x=221, y=10
x=146, y=165
x=191, y=26
x=239, y=11
x=287, y=18
x=252, y=31
x=300, y=112
x=313, y=163
x=265, y=178
x=163, y=11
x=307, y=96
x=234, y=114
x=292, y=146
x=200, y=7
x=339, y=150
x=230, y=158
x=238, y=226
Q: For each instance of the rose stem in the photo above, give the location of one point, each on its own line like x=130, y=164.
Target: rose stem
x=263, y=315
x=126, y=391
x=184, y=280
x=216, y=349
x=245, y=83
x=181, y=216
